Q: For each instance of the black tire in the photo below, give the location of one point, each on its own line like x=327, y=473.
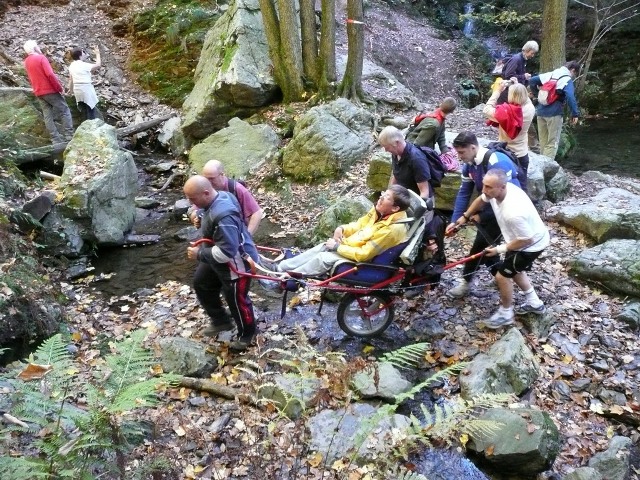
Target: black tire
x=351, y=317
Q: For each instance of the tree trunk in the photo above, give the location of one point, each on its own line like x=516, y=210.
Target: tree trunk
x=290, y=52
x=589, y=54
x=272, y=32
x=309, y=41
x=554, y=22
x=351, y=86
x=327, y=57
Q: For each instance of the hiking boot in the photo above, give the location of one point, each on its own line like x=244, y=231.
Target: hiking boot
x=214, y=329
x=528, y=308
x=241, y=344
x=460, y=290
x=413, y=292
x=498, y=320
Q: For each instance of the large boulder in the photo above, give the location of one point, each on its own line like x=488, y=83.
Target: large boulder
x=613, y=264
x=99, y=184
x=327, y=140
x=380, y=172
x=525, y=441
x=381, y=380
x=21, y=121
x=612, y=213
x=187, y=357
x=613, y=464
x=359, y=428
x=233, y=77
x=507, y=367
x=343, y=210
x=290, y=393
x=381, y=85
x=240, y=147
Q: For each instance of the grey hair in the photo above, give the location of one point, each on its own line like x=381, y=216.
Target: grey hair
x=31, y=46
x=531, y=46
x=389, y=135
x=499, y=173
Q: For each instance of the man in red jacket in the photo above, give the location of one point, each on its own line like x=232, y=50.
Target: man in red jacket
x=48, y=90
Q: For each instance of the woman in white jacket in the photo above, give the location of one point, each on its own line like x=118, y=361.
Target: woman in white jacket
x=80, y=82
x=516, y=137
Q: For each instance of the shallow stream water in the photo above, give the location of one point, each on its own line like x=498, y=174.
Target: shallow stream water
x=608, y=145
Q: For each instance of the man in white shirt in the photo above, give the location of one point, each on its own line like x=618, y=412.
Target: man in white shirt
x=525, y=237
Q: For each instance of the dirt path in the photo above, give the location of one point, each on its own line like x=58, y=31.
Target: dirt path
x=80, y=23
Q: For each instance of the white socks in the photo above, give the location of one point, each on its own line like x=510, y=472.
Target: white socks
x=531, y=298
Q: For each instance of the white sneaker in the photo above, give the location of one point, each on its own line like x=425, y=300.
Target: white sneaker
x=460, y=290
x=499, y=320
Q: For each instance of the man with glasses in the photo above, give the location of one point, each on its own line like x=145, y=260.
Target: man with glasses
x=359, y=241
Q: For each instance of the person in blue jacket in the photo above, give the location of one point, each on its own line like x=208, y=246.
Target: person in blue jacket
x=550, y=116
x=226, y=241
x=473, y=171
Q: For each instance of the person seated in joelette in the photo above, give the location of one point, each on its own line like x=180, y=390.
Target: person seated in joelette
x=359, y=241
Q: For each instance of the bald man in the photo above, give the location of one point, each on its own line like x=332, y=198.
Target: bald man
x=525, y=237
x=252, y=214
x=222, y=223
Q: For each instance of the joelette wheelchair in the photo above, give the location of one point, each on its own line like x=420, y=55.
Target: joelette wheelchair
x=371, y=289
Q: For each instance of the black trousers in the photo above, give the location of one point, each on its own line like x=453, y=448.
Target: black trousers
x=488, y=234
x=210, y=281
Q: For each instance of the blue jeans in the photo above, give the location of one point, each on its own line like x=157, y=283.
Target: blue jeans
x=55, y=106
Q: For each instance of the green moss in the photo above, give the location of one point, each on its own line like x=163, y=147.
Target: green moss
x=229, y=53
x=167, y=40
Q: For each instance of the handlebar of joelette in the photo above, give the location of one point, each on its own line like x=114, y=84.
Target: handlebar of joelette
x=202, y=240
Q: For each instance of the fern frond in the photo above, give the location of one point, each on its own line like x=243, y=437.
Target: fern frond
x=407, y=356
x=130, y=363
x=53, y=351
x=21, y=468
x=136, y=395
x=481, y=428
x=436, y=377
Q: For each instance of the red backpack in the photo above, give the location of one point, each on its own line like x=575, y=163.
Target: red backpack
x=548, y=92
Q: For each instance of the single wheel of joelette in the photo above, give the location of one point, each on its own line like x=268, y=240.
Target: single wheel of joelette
x=365, y=315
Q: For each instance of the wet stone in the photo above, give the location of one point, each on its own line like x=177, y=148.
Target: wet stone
x=630, y=315
x=561, y=390
x=429, y=327
x=585, y=338
x=566, y=371
x=611, y=397
x=197, y=401
x=610, y=342
x=580, y=384
x=600, y=366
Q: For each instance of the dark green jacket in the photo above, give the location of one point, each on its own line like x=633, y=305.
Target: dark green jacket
x=427, y=133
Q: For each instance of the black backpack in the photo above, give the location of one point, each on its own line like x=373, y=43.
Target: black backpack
x=436, y=166
x=232, y=185
x=501, y=147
